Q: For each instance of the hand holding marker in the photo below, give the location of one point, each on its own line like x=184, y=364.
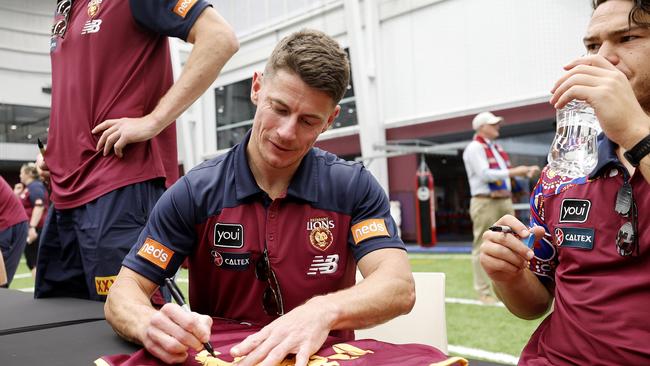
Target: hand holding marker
x=529, y=240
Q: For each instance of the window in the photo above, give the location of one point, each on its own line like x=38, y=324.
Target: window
x=235, y=112
x=23, y=124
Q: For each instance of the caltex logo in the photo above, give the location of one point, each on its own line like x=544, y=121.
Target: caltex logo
x=218, y=259
x=559, y=236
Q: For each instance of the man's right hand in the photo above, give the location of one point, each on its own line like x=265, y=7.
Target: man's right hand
x=504, y=256
x=42, y=168
x=172, y=331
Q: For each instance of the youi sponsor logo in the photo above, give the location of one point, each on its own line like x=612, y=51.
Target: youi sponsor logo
x=574, y=210
x=228, y=235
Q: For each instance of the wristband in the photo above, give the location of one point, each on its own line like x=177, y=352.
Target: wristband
x=638, y=152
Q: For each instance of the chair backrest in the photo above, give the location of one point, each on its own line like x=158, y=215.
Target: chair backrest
x=425, y=324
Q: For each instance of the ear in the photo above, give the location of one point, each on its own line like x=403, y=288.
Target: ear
x=332, y=117
x=256, y=86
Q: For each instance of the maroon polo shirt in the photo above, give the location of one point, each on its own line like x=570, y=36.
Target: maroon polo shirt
x=112, y=62
x=600, y=315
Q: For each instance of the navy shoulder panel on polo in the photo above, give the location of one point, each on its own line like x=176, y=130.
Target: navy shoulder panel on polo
x=37, y=191
x=172, y=18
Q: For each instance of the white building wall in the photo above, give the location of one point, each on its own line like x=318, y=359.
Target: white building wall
x=437, y=58
x=457, y=56
x=24, y=51
x=440, y=58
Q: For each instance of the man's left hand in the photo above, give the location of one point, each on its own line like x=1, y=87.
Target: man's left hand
x=302, y=332
x=607, y=89
x=117, y=133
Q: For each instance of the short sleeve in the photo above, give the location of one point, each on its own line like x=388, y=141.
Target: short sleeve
x=372, y=226
x=168, y=237
x=173, y=18
x=36, y=193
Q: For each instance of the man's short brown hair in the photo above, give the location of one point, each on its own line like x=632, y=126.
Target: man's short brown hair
x=316, y=58
x=639, y=15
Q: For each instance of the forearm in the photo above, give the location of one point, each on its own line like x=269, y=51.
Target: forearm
x=214, y=44
x=37, y=214
x=493, y=175
x=128, y=309
x=3, y=271
x=526, y=297
x=387, y=292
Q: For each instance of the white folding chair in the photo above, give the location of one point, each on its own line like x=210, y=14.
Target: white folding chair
x=425, y=324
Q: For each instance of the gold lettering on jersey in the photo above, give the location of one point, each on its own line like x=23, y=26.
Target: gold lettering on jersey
x=343, y=351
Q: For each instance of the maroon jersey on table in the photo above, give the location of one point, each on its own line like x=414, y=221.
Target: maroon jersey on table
x=364, y=352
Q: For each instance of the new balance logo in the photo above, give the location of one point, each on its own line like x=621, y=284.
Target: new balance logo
x=91, y=26
x=324, y=264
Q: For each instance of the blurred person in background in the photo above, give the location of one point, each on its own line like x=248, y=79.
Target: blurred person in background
x=34, y=198
x=13, y=232
x=592, y=255
x=111, y=147
x=488, y=172
x=18, y=188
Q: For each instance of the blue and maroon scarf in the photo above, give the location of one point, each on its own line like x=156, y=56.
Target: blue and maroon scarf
x=498, y=188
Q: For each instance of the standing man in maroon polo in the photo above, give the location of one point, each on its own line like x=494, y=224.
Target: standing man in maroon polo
x=112, y=141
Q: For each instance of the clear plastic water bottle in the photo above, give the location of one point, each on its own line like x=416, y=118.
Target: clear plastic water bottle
x=574, y=152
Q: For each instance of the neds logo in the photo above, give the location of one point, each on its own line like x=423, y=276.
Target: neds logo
x=368, y=229
x=183, y=6
x=228, y=235
x=574, y=210
x=156, y=253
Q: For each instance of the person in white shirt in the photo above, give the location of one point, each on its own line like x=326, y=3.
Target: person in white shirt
x=489, y=172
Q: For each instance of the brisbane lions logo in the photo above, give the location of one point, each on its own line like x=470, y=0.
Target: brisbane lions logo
x=321, y=238
x=93, y=7
x=320, y=235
